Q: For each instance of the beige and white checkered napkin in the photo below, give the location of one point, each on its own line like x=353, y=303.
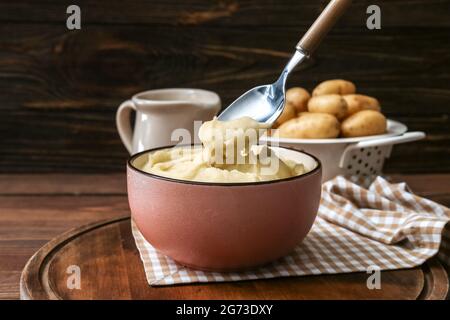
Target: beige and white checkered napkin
x=385, y=226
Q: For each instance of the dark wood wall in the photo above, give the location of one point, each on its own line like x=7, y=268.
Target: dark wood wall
x=59, y=89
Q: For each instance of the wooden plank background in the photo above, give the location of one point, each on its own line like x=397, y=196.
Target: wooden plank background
x=59, y=89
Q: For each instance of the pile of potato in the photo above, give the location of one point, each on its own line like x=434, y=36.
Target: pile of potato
x=334, y=110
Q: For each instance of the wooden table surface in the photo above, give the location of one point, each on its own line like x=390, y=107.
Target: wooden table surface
x=37, y=208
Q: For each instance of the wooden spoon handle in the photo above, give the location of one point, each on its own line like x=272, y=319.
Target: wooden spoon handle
x=322, y=25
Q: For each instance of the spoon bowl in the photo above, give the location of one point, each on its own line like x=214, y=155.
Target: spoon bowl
x=263, y=103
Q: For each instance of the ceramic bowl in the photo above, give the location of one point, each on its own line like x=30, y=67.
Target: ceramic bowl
x=224, y=226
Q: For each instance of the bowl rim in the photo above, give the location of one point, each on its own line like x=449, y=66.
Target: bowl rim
x=318, y=168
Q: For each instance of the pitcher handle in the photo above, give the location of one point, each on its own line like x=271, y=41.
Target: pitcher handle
x=123, y=123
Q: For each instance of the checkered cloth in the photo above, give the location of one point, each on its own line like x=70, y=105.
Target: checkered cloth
x=382, y=227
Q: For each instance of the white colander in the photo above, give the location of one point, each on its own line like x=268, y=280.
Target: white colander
x=358, y=157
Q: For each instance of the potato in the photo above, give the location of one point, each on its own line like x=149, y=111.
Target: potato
x=363, y=123
x=358, y=102
x=288, y=113
x=331, y=103
x=337, y=86
x=298, y=97
x=310, y=126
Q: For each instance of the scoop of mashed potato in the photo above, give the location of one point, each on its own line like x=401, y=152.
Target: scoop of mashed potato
x=230, y=154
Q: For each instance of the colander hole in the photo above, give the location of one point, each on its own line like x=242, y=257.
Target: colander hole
x=354, y=157
x=378, y=160
x=362, y=149
x=376, y=148
x=357, y=171
x=359, y=161
x=379, y=152
x=369, y=153
x=366, y=165
x=349, y=167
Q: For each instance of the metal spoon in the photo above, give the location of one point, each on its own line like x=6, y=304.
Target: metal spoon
x=266, y=103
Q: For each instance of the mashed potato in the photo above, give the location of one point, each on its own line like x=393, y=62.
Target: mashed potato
x=230, y=154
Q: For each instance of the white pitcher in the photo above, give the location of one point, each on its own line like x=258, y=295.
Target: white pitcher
x=160, y=112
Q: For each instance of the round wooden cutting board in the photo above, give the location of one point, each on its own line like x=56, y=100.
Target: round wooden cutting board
x=111, y=269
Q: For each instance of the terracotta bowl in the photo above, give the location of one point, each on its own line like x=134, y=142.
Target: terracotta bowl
x=224, y=227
